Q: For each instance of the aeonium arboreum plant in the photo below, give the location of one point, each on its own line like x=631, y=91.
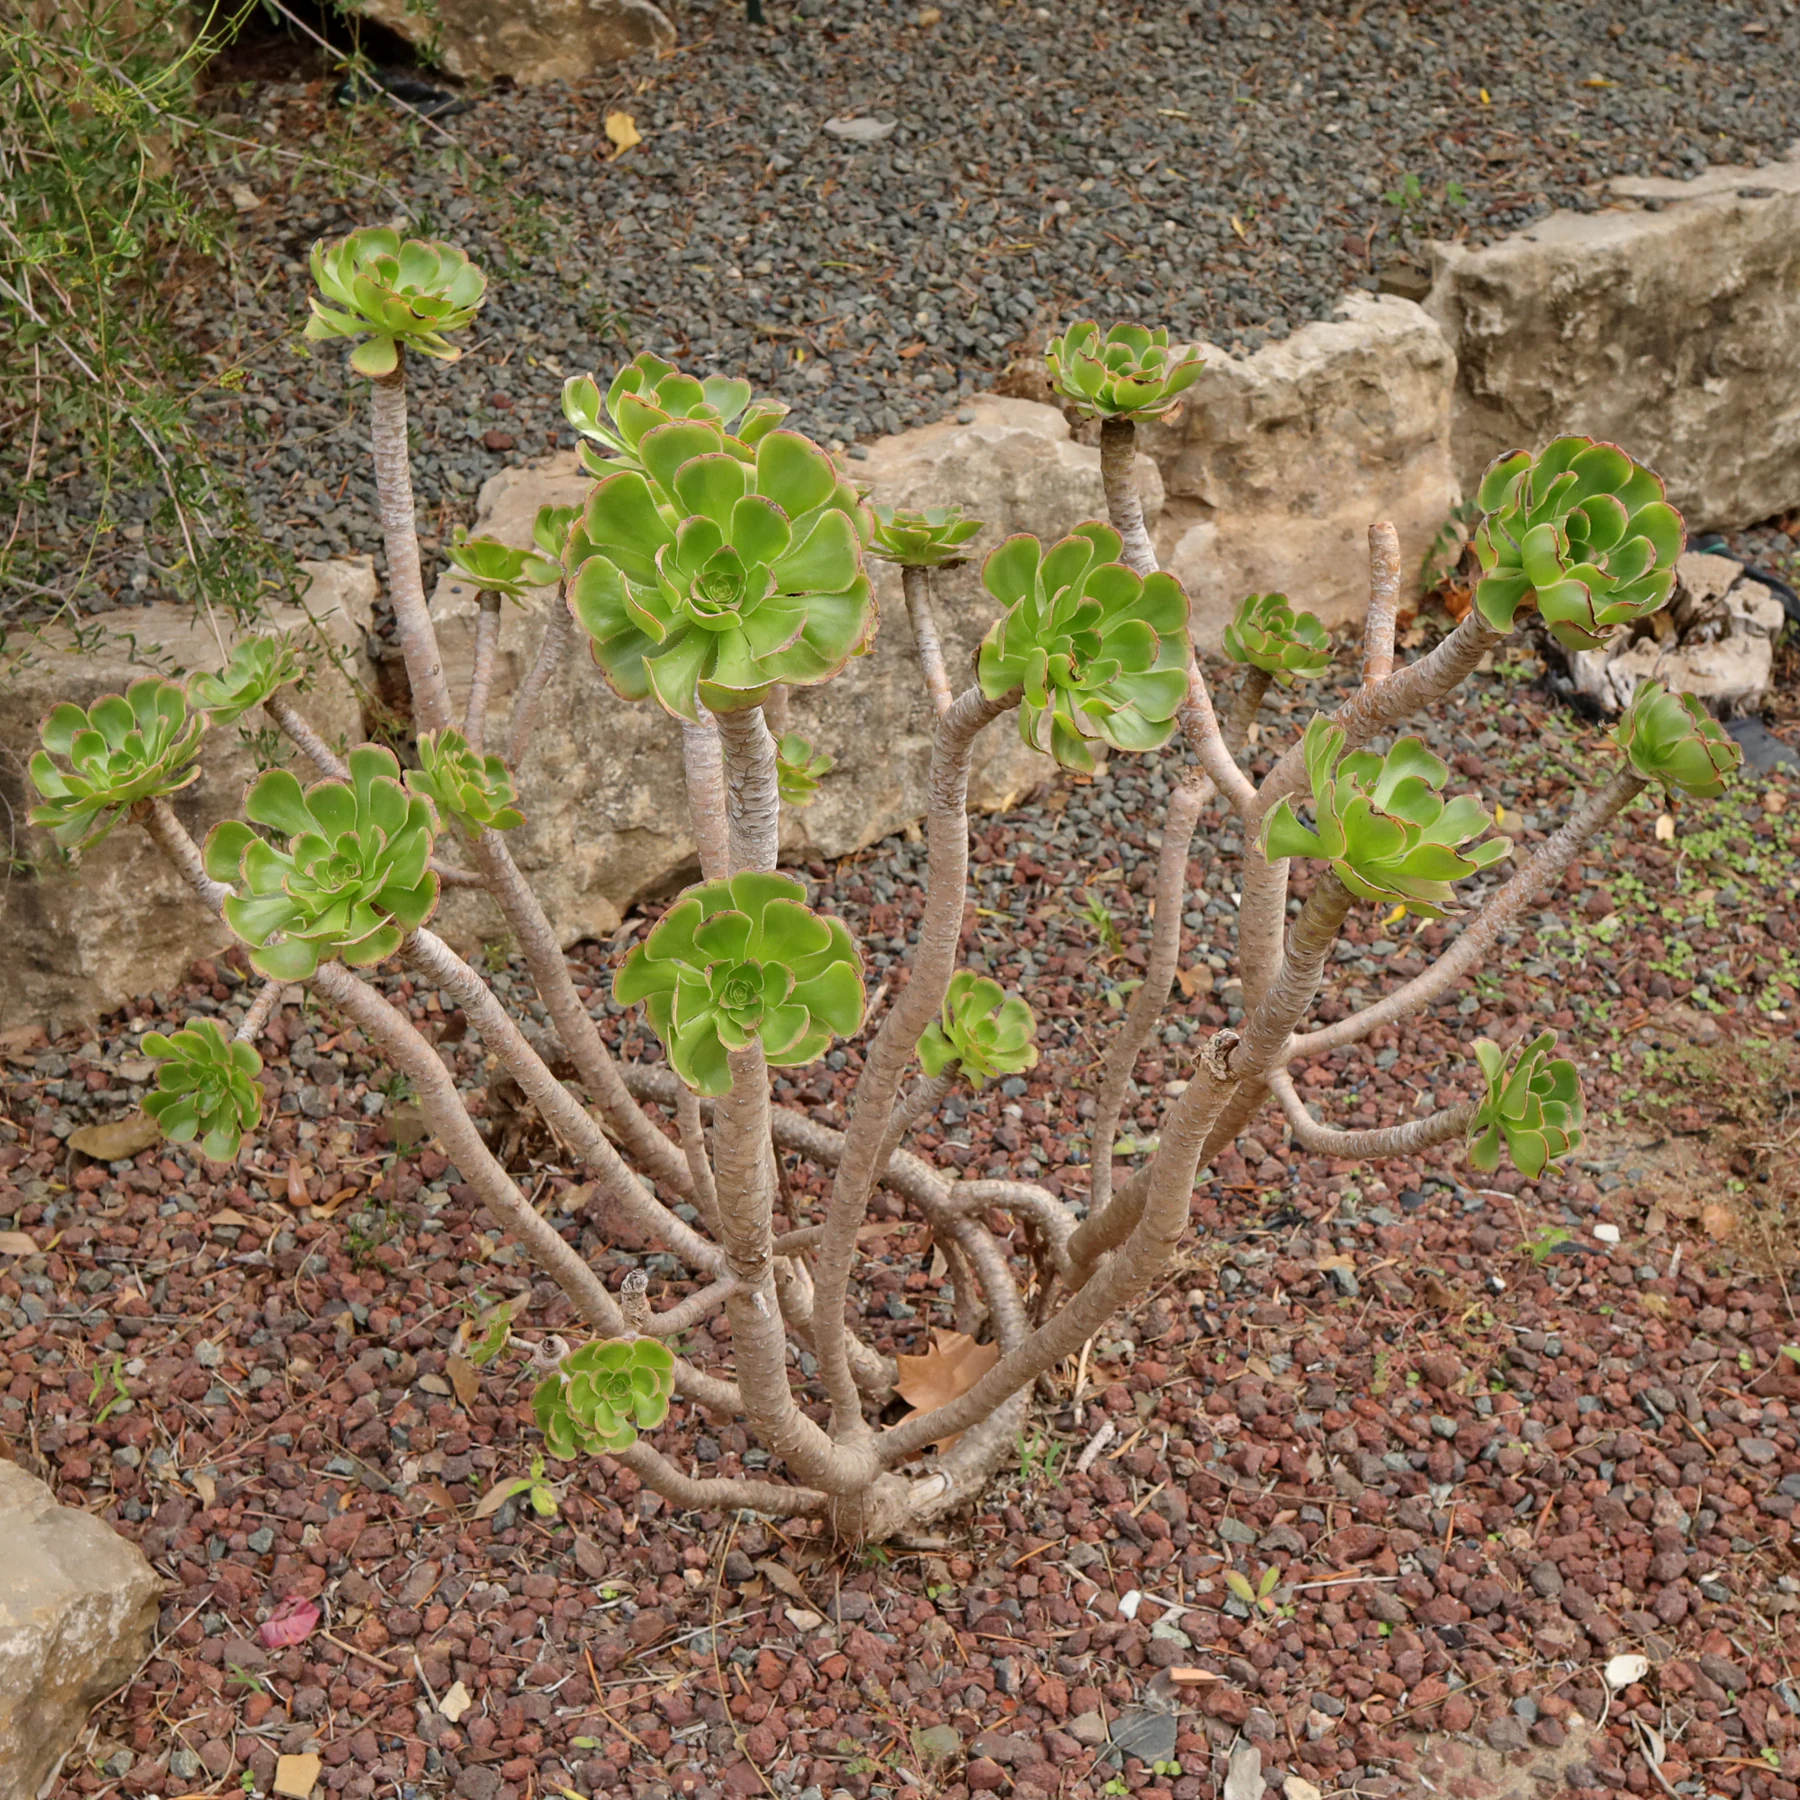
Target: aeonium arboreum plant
x=984, y=1030
x=648, y=392
x=207, y=1087
x=1096, y=650
x=930, y=538
x=1671, y=739
x=1382, y=825
x=258, y=667
x=391, y=291
x=497, y=568
x=139, y=745
x=740, y=961
x=1580, y=529
x=800, y=768
x=603, y=1395
x=471, y=792
x=351, y=880
x=1531, y=1104
x=712, y=579
x=1130, y=370
x=1268, y=634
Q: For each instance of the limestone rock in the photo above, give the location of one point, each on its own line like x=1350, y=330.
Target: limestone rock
x=76, y=941
x=1669, y=332
x=77, y=1608
x=1279, y=462
x=601, y=786
x=529, y=40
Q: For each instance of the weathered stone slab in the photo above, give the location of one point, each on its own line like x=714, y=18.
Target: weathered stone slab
x=75, y=941
x=529, y=40
x=1670, y=332
x=77, y=1609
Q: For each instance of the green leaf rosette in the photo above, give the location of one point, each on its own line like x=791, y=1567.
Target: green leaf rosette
x=603, y=1395
x=1382, y=825
x=1532, y=1105
x=929, y=539
x=1582, y=531
x=1096, y=650
x=471, y=792
x=258, y=667
x=207, y=1087
x=799, y=769
x=711, y=579
x=1129, y=372
x=1269, y=635
x=981, y=1027
x=742, y=961
x=1671, y=739
x=390, y=292
x=649, y=392
x=496, y=568
x=139, y=745
x=351, y=880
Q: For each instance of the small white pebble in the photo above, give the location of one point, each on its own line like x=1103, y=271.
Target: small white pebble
x=1607, y=1234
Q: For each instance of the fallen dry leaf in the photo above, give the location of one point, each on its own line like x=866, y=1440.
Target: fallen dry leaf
x=622, y=131
x=801, y=1619
x=1665, y=829
x=298, y=1193
x=1193, y=1677
x=782, y=1579
x=456, y=1701
x=462, y=1377
x=1244, y=1776
x=297, y=1776
x=231, y=1216
x=292, y=1622
x=953, y=1365
x=497, y=1496
x=592, y=1561
x=1717, y=1219
x=204, y=1485
x=118, y=1140
x=17, y=1243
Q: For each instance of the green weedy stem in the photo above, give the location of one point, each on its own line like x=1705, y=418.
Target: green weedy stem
x=888, y=1057
x=1478, y=936
x=752, y=791
x=917, y=586
x=400, y=536
x=1118, y=475
x=553, y=646
x=1390, y=1140
x=481, y=676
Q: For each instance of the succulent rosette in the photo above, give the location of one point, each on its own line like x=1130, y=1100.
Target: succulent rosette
x=649, y=392
x=139, y=745
x=258, y=667
x=392, y=291
x=551, y=531
x=496, y=568
x=603, y=1395
x=1382, y=824
x=1096, y=650
x=1580, y=529
x=799, y=768
x=928, y=539
x=982, y=1028
x=1532, y=1105
x=741, y=961
x=1269, y=635
x=1673, y=740
x=207, y=1087
x=1130, y=371
x=352, y=879
x=711, y=579
x=472, y=792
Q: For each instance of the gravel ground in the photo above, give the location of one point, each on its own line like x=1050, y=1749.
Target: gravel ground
x=1220, y=170
x=1479, y=1473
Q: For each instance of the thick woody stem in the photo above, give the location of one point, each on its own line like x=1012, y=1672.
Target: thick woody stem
x=431, y=709
x=170, y=836
x=481, y=676
x=553, y=646
x=565, y=1115
x=775, y=709
x=1551, y=858
x=1384, y=603
x=1291, y=992
x=752, y=797
x=917, y=585
x=262, y=1010
x=718, y=1493
x=1244, y=707
x=1159, y=976
x=1390, y=1140
x=1200, y=726
x=1262, y=921
x=1118, y=475
x=281, y=708
x=933, y=961
x=919, y=1101
x=693, y=1143
x=660, y=1159
x=703, y=762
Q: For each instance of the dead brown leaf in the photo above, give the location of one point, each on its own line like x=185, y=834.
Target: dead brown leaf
x=953, y=1365
x=1717, y=1219
x=462, y=1377
x=782, y=1579
x=117, y=1140
x=17, y=1243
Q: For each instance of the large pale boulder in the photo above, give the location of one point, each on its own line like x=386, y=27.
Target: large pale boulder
x=601, y=787
x=529, y=40
x=77, y=1608
x=1669, y=331
x=76, y=940
x=1279, y=462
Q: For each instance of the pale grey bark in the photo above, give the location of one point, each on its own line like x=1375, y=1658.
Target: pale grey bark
x=930, y=645
x=918, y=1102
x=703, y=763
x=1245, y=706
x=1387, y=1140
x=553, y=646
x=1384, y=603
x=481, y=676
x=1200, y=726
x=752, y=793
x=262, y=1010
x=294, y=724
x=705, y=1193
x=1118, y=476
